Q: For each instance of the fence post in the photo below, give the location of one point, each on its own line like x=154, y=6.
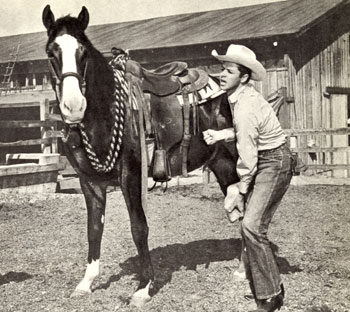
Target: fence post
x=44, y=110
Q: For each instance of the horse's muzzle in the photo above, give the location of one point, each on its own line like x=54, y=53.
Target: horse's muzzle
x=73, y=112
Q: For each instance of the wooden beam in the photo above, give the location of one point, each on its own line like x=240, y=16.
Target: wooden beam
x=328, y=167
x=23, y=104
x=26, y=168
x=321, y=131
x=321, y=149
x=28, y=142
x=27, y=123
x=337, y=90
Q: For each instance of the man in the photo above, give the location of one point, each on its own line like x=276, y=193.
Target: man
x=264, y=168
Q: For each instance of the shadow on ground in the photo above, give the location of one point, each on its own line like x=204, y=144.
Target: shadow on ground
x=14, y=277
x=169, y=259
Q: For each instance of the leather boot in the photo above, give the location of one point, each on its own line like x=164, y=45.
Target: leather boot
x=270, y=305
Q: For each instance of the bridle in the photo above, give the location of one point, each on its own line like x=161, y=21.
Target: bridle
x=59, y=77
x=122, y=96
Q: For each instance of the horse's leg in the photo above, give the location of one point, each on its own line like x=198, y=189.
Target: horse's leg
x=131, y=188
x=95, y=198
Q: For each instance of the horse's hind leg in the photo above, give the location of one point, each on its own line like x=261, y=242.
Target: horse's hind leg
x=95, y=198
x=131, y=188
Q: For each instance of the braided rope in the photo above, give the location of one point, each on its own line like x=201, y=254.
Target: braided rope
x=121, y=98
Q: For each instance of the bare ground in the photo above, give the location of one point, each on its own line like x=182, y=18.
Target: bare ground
x=194, y=251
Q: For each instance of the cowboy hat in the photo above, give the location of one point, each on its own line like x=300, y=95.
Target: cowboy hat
x=242, y=55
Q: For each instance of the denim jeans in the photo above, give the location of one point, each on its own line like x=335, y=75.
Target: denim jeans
x=271, y=182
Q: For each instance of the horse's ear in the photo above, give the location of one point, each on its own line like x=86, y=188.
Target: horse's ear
x=48, y=17
x=83, y=17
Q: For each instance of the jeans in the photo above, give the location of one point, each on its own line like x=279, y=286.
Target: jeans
x=272, y=180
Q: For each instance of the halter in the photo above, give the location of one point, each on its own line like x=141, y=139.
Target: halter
x=58, y=77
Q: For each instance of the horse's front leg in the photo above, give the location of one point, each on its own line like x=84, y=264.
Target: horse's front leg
x=95, y=198
x=131, y=188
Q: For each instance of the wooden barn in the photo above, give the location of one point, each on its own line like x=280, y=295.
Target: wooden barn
x=304, y=45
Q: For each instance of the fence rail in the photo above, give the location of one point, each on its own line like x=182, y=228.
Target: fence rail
x=48, y=126
x=329, y=157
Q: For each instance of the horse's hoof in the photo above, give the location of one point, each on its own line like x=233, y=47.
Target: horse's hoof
x=80, y=293
x=139, y=301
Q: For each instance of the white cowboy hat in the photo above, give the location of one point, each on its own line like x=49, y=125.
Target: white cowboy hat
x=242, y=55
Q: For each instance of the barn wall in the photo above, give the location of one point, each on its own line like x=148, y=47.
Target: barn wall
x=318, y=65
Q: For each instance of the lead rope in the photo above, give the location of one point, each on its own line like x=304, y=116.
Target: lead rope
x=121, y=98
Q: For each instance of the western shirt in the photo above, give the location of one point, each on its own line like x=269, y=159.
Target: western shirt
x=257, y=128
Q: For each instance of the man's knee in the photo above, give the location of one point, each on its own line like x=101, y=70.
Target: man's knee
x=249, y=227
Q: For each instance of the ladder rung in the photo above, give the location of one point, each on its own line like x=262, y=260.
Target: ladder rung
x=10, y=66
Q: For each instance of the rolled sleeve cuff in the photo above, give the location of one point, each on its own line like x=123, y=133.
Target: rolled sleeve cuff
x=243, y=187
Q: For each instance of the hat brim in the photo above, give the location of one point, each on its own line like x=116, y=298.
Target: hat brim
x=258, y=70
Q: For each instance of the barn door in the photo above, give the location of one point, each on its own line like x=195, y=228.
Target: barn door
x=339, y=109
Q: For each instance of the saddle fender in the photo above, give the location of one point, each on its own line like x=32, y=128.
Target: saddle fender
x=167, y=118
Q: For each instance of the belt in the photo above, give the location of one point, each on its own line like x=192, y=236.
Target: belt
x=262, y=152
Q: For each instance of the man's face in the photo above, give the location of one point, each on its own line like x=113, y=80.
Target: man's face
x=229, y=77
x=114, y=52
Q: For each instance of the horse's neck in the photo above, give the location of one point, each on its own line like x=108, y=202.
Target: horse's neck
x=100, y=80
x=99, y=90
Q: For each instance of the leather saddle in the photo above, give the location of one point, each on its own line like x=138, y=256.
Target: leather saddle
x=175, y=91
x=169, y=78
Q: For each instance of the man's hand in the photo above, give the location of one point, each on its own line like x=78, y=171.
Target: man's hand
x=235, y=209
x=234, y=203
x=239, y=202
x=211, y=136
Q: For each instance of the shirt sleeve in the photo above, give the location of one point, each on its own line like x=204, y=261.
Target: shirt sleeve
x=247, y=147
x=229, y=134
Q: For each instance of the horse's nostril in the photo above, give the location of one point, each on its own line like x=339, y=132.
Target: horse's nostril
x=65, y=106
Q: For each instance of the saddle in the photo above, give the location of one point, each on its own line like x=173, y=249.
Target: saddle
x=168, y=78
x=175, y=90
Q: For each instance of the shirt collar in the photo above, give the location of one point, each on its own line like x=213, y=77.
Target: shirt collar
x=234, y=96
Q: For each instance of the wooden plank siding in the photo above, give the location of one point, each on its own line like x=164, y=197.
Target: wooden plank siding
x=314, y=108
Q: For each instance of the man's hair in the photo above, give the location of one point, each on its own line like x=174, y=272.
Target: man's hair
x=244, y=70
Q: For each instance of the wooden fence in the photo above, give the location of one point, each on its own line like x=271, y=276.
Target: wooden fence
x=332, y=160
x=48, y=127
x=31, y=172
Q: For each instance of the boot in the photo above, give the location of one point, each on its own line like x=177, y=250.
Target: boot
x=270, y=305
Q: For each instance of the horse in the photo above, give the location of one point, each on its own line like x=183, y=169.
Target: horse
x=102, y=145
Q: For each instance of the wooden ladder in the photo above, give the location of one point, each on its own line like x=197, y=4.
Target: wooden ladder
x=6, y=83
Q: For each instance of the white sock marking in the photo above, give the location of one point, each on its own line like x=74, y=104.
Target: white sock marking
x=92, y=271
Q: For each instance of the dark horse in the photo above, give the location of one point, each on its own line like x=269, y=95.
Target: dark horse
x=98, y=126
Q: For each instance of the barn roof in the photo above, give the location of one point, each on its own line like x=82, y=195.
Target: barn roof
x=271, y=19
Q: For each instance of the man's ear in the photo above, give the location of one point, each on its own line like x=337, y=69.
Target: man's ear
x=244, y=78
x=83, y=17
x=48, y=17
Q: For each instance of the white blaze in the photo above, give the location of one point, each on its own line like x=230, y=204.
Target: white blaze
x=73, y=103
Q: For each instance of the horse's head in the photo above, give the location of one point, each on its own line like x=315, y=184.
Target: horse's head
x=68, y=61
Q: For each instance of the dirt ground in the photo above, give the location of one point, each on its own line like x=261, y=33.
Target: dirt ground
x=194, y=251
